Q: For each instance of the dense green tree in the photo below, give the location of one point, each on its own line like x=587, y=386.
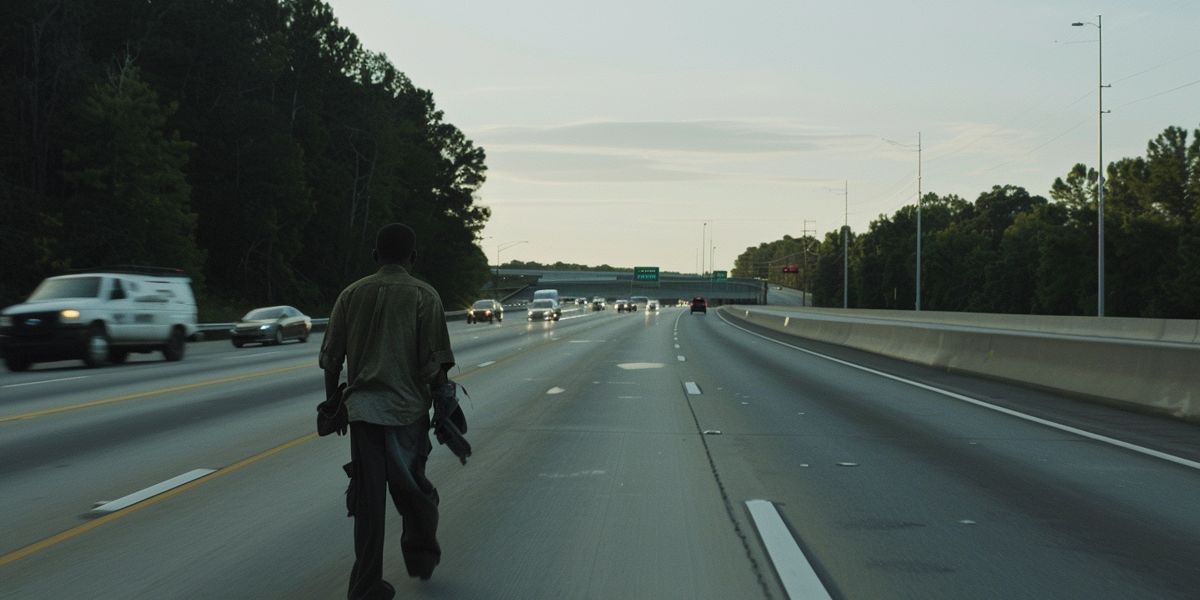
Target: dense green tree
x=303, y=144
x=1011, y=251
x=127, y=199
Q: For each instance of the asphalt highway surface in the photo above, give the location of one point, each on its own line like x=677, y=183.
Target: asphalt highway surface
x=616, y=456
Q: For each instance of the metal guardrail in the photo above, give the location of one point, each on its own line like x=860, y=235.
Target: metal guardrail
x=217, y=331
x=212, y=327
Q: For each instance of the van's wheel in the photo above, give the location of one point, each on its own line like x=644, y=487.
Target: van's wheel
x=175, y=346
x=17, y=365
x=117, y=357
x=95, y=348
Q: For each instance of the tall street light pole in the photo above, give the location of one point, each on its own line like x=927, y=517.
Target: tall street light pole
x=1100, y=151
x=506, y=246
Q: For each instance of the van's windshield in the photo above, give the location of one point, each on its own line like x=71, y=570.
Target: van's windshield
x=68, y=287
x=543, y=304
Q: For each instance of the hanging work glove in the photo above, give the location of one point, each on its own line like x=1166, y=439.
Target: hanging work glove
x=449, y=423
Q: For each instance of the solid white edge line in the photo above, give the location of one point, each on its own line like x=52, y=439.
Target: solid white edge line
x=486, y=364
x=152, y=491
x=17, y=385
x=796, y=574
x=692, y=388
x=1000, y=409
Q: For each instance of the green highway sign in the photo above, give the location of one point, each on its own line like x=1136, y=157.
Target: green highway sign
x=645, y=273
x=720, y=275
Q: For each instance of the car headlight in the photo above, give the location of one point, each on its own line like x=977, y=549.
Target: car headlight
x=264, y=327
x=5, y=321
x=69, y=314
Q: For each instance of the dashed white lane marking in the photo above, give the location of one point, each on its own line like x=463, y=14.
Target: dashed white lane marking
x=241, y=356
x=555, y=390
x=795, y=572
x=980, y=403
x=16, y=385
x=676, y=346
x=681, y=358
x=486, y=364
x=152, y=491
x=692, y=388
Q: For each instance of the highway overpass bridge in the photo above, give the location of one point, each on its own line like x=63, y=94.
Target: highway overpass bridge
x=617, y=284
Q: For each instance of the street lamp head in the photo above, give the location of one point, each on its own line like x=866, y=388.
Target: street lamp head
x=1077, y=24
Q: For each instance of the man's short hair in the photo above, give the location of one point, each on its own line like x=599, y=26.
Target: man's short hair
x=395, y=242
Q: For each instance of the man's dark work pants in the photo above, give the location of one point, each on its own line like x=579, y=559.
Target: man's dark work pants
x=391, y=459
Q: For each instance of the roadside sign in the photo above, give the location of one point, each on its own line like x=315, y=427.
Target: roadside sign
x=645, y=273
x=720, y=275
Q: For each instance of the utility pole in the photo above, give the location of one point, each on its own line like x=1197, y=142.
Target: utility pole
x=703, y=243
x=846, y=244
x=920, y=201
x=1100, y=179
x=804, y=233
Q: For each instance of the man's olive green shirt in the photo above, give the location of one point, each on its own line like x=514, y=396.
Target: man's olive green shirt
x=390, y=329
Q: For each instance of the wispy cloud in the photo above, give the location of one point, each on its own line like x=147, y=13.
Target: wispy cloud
x=719, y=137
x=574, y=167
x=659, y=151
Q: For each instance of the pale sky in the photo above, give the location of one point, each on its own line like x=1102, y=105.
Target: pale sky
x=614, y=129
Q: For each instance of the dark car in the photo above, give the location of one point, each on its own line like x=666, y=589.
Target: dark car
x=699, y=304
x=544, y=310
x=271, y=325
x=485, y=310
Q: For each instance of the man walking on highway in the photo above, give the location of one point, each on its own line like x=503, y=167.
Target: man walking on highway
x=390, y=329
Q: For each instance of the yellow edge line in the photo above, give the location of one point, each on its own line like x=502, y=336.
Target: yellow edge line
x=147, y=394
x=90, y=525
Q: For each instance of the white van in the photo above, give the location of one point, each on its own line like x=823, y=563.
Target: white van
x=546, y=295
x=100, y=317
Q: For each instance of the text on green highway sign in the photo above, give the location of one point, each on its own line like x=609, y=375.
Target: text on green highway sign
x=645, y=273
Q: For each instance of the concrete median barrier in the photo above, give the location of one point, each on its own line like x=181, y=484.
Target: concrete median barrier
x=1147, y=364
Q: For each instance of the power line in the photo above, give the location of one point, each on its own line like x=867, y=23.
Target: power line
x=1162, y=93
x=1162, y=64
x=1039, y=147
